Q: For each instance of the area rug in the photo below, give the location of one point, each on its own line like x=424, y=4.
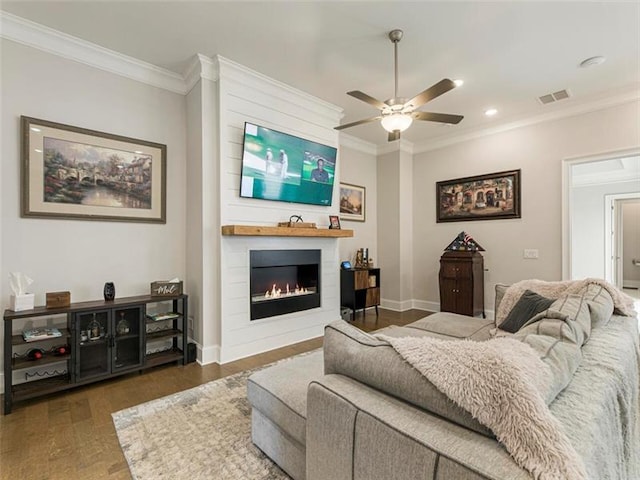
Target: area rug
x=200, y=433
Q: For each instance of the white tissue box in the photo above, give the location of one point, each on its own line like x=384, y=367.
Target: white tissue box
x=18, y=303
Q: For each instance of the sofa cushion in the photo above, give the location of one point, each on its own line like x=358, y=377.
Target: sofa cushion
x=454, y=325
x=528, y=306
x=351, y=352
x=280, y=392
x=600, y=304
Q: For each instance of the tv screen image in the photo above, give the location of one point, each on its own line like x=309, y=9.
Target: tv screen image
x=282, y=167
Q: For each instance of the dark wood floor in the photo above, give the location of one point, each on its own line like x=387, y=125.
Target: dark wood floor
x=71, y=435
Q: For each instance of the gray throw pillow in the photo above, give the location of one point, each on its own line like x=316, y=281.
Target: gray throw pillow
x=529, y=305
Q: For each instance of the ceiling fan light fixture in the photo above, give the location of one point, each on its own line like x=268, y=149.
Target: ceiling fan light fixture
x=396, y=122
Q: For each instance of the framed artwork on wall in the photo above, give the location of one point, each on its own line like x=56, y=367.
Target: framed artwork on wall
x=75, y=173
x=483, y=197
x=352, y=202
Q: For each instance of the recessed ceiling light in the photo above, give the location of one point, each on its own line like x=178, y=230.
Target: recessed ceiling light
x=592, y=61
x=34, y=129
x=38, y=150
x=490, y=112
x=458, y=82
x=138, y=152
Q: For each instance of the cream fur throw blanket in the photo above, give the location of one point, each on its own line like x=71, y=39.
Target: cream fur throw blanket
x=503, y=383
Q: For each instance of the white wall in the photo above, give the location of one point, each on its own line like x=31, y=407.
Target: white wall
x=360, y=168
x=247, y=96
x=80, y=256
x=588, y=226
x=631, y=242
x=538, y=150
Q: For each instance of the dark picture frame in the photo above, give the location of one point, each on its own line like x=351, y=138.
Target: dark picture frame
x=352, y=202
x=482, y=197
x=334, y=222
x=75, y=173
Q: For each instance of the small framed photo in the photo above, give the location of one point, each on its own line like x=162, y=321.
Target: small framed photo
x=352, y=202
x=334, y=222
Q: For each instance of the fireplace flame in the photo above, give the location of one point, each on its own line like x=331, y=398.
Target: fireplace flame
x=276, y=292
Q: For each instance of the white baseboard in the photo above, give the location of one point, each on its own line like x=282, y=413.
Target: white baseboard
x=208, y=355
x=395, y=305
x=426, y=305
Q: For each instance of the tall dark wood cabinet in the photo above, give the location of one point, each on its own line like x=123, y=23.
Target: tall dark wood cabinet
x=360, y=288
x=462, y=283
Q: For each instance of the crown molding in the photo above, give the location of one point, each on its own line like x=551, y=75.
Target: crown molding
x=588, y=106
x=200, y=66
x=354, y=143
x=43, y=38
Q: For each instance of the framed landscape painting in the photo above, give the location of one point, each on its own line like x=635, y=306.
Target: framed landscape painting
x=74, y=173
x=483, y=197
x=352, y=202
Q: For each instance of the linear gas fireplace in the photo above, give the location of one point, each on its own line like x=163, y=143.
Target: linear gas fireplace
x=284, y=281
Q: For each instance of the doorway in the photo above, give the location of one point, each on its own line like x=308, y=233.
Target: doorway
x=622, y=241
x=592, y=225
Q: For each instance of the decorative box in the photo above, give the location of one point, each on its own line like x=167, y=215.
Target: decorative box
x=58, y=299
x=166, y=289
x=18, y=303
x=297, y=224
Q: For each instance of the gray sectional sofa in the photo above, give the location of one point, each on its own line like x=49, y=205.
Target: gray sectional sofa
x=356, y=410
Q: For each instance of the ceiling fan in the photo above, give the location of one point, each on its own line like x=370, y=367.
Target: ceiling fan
x=397, y=114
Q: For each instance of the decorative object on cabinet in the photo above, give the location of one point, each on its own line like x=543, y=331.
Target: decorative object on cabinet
x=483, y=197
x=58, y=299
x=352, y=202
x=101, y=340
x=362, y=258
x=20, y=299
x=75, y=173
x=109, y=291
x=166, y=288
x=462, y=283
x=464, y=243
x=360, y=288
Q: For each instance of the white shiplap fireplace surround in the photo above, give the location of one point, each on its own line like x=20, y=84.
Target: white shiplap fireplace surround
x=223, y=97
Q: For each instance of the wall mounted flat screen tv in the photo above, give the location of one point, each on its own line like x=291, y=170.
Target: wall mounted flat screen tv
x=282, y=167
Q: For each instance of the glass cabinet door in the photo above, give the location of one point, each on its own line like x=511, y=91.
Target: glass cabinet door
x=92, y=344
x=127, y=335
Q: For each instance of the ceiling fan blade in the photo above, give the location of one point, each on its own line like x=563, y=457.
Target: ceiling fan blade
x=359, y=122
x=366, y=98
x=434, y=91
x=438, y=117
x=395, y=135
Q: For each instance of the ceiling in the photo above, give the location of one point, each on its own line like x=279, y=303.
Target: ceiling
x=508, y=53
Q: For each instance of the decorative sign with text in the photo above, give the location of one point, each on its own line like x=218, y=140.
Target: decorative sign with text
x=166, y=289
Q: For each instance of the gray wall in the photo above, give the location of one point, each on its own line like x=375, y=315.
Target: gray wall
x=538, y=150
x=359, y=168
x=80, y=256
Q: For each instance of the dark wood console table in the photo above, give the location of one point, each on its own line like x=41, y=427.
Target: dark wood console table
x=102, y=339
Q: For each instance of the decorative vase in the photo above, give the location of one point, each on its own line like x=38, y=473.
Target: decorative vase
x=109, y=291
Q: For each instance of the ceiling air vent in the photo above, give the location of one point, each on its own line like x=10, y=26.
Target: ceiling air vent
x=554, y=97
